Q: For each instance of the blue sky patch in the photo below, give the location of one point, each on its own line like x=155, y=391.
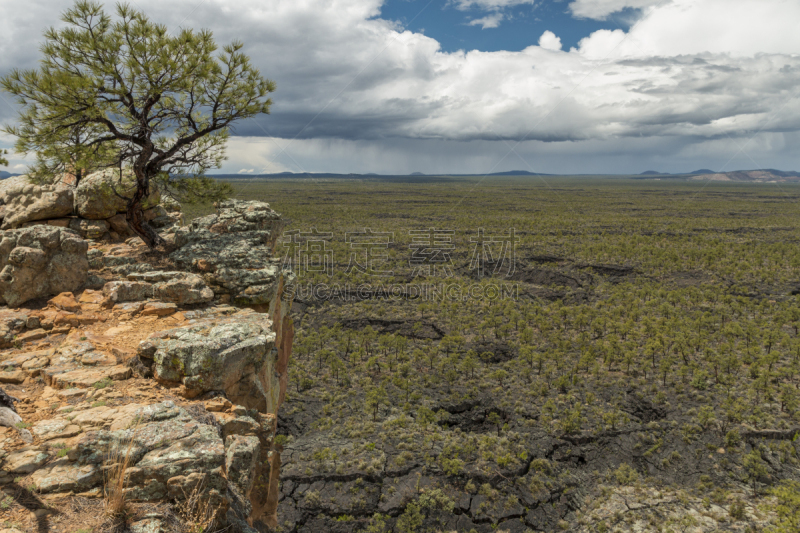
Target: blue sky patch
x=517, y=28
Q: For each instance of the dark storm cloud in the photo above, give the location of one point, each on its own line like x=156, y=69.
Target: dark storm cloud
x=344, y=74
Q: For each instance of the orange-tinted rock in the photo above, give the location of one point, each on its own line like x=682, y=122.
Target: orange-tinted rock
x=66, y=319
x=92, y=297
x=159, y=309
x=34, y=335
x=66, y=302
x=15, y=376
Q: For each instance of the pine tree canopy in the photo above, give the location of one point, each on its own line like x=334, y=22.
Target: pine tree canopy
x=125, y=92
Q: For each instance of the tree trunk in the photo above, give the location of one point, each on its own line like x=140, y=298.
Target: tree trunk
x=135, y=214
x=135, y=218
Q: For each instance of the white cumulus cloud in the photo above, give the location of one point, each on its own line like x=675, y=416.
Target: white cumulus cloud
x=688, y=73
x=601, y=9
x=491, y=4
x=550, y=41
x=489, y=21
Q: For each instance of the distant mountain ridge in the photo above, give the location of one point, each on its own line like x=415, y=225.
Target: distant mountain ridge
x=657, y=173
x=752, y=176
x=4, y=174
x=371, y=175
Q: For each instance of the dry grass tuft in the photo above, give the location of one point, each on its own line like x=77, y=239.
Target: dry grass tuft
x=116, y=505
x=196, y=513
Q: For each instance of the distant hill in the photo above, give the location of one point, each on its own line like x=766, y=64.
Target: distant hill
x=4, y=174
x=416, y=175
x=752, y=176
x=513, y=173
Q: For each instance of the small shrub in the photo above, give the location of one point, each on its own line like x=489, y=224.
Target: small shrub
x=103, y=383
x=312, y=497
x=732, y=439
x=626, y=475
x=737, y=510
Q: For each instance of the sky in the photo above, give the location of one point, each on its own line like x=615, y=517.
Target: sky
x=482, y=86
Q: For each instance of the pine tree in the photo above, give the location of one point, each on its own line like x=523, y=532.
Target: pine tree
x=125, y=93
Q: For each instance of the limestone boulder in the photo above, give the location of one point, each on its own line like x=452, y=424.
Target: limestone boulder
x=22, y=201
x=102, y=194
x=40, y=261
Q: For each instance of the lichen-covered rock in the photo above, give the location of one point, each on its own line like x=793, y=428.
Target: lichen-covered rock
x=25, y=460
x=181, y=288
x=11, y=324
x=128, y=291
x=170, y=453
x=154, y=212
x=55, y=429
x=119, y=225
x=237, y=216
x=98, y=194
x=236, y=355
x=22, y=201
x=171, y=205
x=168, y=220
x=40, y=261
x=234, y=250
x=86, y=377
x=189, y=289
x=63, y=476
x=89, y=229
x=241, y=454
x=149, y=525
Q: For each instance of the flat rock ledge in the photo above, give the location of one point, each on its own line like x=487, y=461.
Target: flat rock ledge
x=162, y=370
